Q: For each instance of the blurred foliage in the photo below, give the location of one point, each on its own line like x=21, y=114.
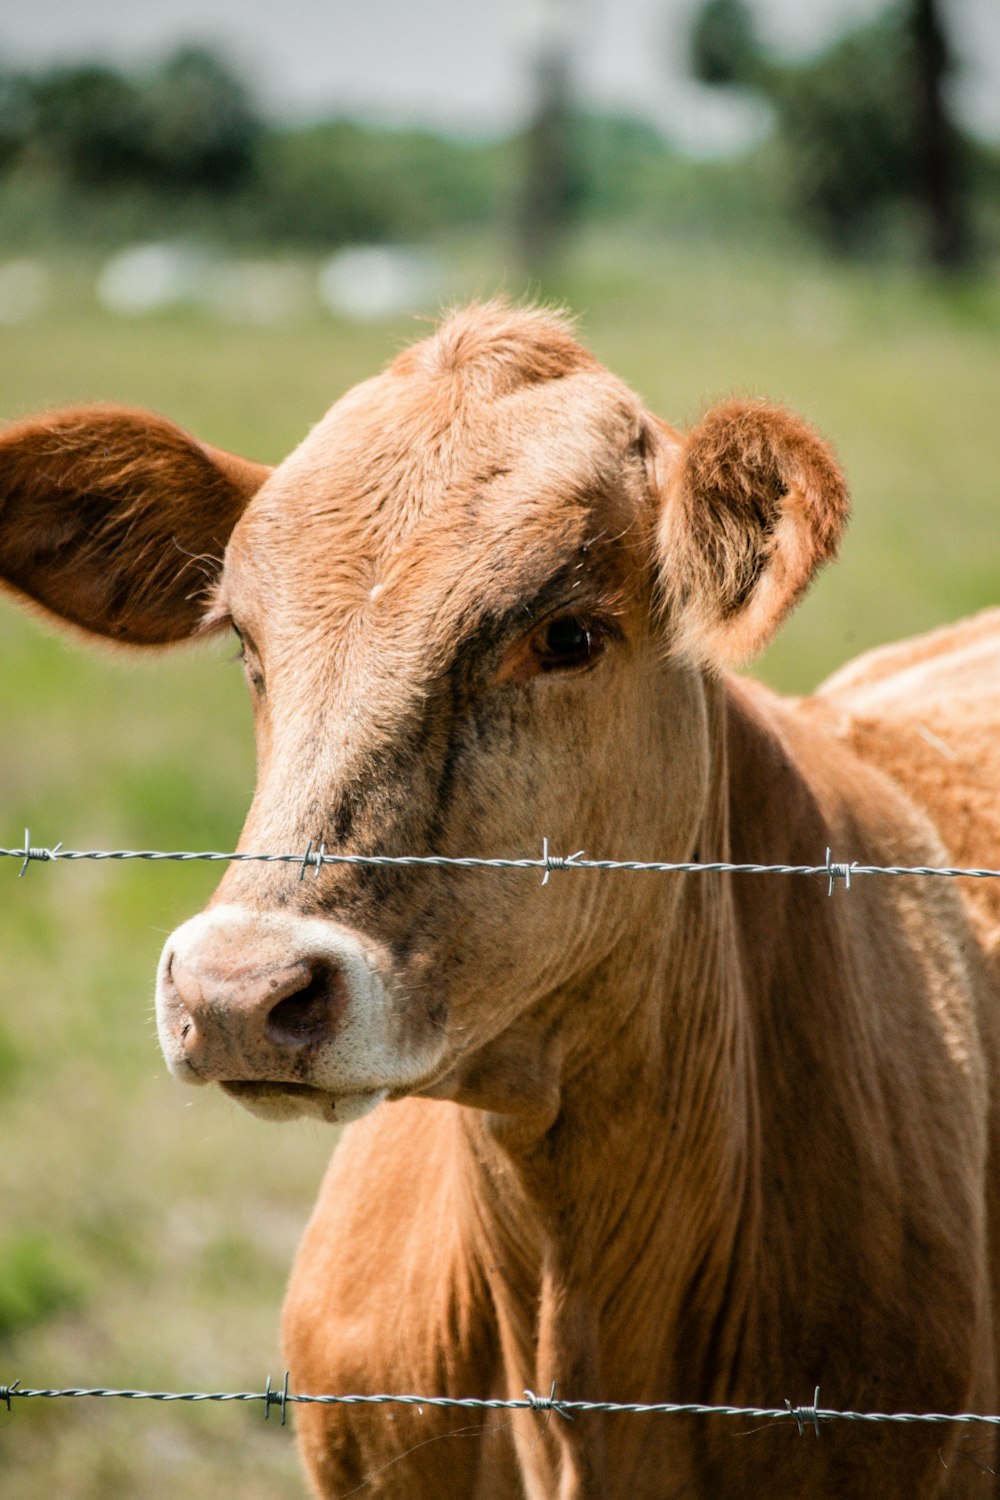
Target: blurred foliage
x=342, y=181
x=863, y=143
x=188, y=126
x=725, y=47
x=87, y=124
x=37, y=1281
x=90, y=155
x=16, y=112
x=845, y=130
x=203, y=129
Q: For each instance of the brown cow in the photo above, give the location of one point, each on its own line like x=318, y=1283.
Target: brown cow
x=650, y=1137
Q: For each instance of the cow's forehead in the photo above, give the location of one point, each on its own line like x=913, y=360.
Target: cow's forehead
x=410, y=487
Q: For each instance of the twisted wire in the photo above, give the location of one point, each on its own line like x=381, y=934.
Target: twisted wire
x=807, y=1415
x=546, y=862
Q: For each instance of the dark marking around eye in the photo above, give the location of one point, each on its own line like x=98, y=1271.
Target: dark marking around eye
x=562, y=603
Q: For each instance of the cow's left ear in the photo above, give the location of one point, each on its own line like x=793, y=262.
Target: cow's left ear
x=752, y=503
x=115, y=521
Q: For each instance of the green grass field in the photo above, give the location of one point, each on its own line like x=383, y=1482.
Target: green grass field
x=145, y=1231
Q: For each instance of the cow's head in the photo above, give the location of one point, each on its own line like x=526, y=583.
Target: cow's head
x=481, y=604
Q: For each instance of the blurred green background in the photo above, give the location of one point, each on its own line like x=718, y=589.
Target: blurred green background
x=145, y=1232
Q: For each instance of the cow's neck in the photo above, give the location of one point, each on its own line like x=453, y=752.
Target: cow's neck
x=623, y=1180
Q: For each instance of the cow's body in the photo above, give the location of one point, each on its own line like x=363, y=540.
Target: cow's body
x=649, y=1138
x=736, y=1230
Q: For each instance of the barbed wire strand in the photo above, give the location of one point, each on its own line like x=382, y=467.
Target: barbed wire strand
x=810, y=1415
x=830, y=869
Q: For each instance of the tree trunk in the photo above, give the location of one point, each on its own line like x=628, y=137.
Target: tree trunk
x=937, y=146
x=548, y=184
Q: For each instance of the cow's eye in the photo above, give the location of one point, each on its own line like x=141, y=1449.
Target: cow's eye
x=568, y=641
x=564, y=643
x=251, y=662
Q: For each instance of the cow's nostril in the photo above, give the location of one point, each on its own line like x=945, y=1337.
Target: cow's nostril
x=308, y=1016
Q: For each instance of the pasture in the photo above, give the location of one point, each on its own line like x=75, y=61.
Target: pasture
x=145, y=1236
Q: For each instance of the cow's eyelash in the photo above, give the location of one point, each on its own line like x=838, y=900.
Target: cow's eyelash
x=249, y=658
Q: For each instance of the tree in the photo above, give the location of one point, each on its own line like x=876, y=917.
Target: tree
x=16, y=116
x=725, y=48
x=551, y=186
x=939, y=167
x=202, y=130
x=89, y=122
x=188, y=127
x=862, y=128
x=843, y=121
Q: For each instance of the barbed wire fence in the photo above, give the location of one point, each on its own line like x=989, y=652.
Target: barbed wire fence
x=805, y=1417
x=318, y=858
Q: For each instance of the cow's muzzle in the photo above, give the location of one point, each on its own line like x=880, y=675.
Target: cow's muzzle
x=288, y=1014
x=250, y=1020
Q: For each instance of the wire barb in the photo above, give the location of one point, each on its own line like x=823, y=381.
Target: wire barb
x=276, y=1398
x=317, y=860
x=838, y=872
x=6, y=1391
x=547, y=1404
x=552, y=862
x=30, y=854
x=805, y=1414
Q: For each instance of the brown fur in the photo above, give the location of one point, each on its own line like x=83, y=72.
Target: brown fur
x=704, y=1139
x=112, y=519
x=755, y=504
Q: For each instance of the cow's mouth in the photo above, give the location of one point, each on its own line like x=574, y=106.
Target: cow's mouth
x=291, y=1101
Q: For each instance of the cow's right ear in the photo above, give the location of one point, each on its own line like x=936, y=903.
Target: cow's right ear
x=751, y=502
x=116, y=521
